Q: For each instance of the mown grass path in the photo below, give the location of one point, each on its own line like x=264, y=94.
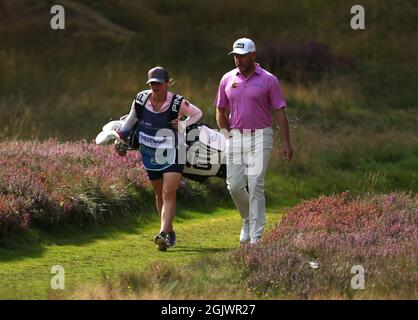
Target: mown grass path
x=25, y=270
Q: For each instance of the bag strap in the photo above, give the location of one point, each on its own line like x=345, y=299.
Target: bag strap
x=142, y=98
x=140, y=101
x=175, y=106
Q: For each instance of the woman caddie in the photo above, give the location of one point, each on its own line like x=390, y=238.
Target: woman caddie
x=158, y=112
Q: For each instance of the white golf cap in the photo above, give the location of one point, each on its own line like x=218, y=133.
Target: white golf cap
x=243, y=46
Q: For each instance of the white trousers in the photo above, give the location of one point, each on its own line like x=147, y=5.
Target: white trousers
x=247, y=155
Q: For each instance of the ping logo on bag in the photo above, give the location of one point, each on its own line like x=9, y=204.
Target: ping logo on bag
x=176, y=103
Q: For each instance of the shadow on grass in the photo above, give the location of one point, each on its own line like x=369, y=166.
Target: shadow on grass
x=198, y=249
x=32, y=244
x=20, y=245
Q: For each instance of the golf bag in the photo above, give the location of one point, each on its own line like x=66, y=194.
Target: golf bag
x=204, y=148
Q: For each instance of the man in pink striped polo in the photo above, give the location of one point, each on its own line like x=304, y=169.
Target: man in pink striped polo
x=246, y=100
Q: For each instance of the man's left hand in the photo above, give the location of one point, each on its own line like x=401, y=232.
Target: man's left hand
x=287, y=151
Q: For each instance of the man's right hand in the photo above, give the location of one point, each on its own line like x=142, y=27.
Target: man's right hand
x=222, y=121
x=225, y=133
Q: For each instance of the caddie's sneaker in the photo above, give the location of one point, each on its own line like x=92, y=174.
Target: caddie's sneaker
x=160, y=241
x=245, y=232
x=171, y=238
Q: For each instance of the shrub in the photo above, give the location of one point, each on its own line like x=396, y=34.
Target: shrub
x=378, y=232
x=49, y=183
x=302, y=62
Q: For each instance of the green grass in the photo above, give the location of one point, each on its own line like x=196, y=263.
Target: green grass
x=124, y=246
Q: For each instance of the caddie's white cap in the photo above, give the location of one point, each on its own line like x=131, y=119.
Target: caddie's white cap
x=243, y=46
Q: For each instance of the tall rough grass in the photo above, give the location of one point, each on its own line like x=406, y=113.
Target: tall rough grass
x=88, y=74
x=47, y=184
x=303, y=62
x=207, y=277
x=354, y=158
x=333, y=234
